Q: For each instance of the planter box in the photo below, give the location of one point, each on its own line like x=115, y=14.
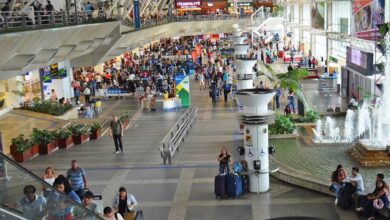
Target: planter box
x=34, y=150
x=47, y=148
x=81, y=139
x=65, y=143
x=20, y=156
x=126, y=123
x=96, y=134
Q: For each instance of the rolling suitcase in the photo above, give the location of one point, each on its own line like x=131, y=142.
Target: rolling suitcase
x=220, y=186
x=234, y=185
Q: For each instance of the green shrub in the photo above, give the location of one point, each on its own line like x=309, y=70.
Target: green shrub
x=124, y=116
x=48, y=107
x=95, y=126
x=283, y=125
x=42, y=137
x=62, y=133
x=79, y=129
x=310, y=116
x=21, y=143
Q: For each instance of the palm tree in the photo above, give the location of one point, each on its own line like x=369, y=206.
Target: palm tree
x=290, y=81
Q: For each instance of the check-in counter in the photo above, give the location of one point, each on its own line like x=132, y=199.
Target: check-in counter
x=327, y=83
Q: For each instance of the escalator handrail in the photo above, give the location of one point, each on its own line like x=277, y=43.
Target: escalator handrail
x=41, y=181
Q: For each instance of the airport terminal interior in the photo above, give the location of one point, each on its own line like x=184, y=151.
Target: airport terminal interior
x=194, y=109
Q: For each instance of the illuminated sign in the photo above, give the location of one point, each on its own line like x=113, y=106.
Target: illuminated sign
x=187, y=4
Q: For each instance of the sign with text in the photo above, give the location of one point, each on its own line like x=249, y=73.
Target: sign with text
x=188, y=4
x=227, y=51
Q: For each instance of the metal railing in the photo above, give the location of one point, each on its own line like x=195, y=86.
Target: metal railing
x=30, y=19
x=170, y=144
x=159, y=21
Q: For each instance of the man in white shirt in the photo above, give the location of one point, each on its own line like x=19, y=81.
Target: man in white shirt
x=33, y=205
x=87, y=94
x=357, y=180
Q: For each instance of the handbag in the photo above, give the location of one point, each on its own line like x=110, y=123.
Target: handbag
x=378, y=204
x=129, y=215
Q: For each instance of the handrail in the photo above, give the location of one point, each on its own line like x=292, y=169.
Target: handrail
x=30, y=19
x=170, y=144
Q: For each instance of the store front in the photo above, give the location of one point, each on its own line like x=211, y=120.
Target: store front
x=241, y=8
x=34, y=85
x=214, y=6
x=188, y=6
x=267, y=4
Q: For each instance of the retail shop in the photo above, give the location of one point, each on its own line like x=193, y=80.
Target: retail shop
x=240, y=8
x=214, y=6
x=35, y=84
x=267, y=4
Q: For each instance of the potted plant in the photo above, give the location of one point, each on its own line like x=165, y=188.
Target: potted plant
x=124, y=118
x=21, y=148
x=96, y=131
x=45, y=139
x=64, y=138
x=80, y=133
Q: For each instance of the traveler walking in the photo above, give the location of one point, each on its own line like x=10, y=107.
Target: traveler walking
x=116, y=131
x=77, y=179
x=33, y=205
x=87, y=94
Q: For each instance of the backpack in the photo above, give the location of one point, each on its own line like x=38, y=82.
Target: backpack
x=237, y=167
x=345, y=200
x=244, y=165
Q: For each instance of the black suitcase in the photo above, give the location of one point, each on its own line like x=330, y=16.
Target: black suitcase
x=245, y=183
x=220, y=186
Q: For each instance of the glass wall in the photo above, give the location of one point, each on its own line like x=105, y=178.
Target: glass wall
x=341, y=17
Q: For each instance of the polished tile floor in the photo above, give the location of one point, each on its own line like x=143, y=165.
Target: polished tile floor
x=184, y=190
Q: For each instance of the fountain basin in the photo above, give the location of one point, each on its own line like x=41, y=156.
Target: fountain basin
x=370, y=156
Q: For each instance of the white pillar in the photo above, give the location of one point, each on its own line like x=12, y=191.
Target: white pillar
x=256, y=118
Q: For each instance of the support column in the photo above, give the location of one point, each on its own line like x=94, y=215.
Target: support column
x=256, y=118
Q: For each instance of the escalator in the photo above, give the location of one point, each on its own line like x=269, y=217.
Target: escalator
x=14, y=178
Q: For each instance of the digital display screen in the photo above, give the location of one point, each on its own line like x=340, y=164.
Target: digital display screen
x=185, y=4
x=360, y=61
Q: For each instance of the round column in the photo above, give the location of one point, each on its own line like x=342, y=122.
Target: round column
x=256, y=118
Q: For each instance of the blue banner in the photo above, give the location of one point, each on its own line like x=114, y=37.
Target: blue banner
x=137, y=16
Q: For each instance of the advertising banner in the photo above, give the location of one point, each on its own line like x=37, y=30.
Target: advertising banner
x=366, y=16
x=183, y=89
x=188, y=4
x=137, y=16
x=318, y=15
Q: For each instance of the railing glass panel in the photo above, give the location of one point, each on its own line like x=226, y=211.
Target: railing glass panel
x=17, y=198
